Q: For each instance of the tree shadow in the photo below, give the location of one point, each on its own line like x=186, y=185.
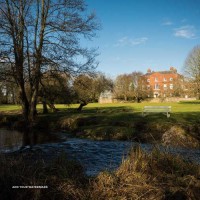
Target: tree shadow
x=189, y=102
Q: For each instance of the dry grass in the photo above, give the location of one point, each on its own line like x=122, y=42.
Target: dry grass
x=156, y=176
x=65, y=179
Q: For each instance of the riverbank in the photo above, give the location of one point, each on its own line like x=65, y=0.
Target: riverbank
x=118, y=122
x=33, y=176
x=154, y=175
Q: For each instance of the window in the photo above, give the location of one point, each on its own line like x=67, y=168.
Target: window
x=156, y=87
x=171, y=79
x=4, y=91
x=164, y=79
x=156, y=79
x=148, y=87
x=165, y=86
x=148, y=80
x=171, y=86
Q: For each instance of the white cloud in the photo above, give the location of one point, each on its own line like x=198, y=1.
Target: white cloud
x=167, y=23
x=125, y=41
x=187, y=32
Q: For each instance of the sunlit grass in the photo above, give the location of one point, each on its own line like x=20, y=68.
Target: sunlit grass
x=5, y=107
x=137, y=107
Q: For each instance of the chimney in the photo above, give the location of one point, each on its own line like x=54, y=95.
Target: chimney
x=173, y=69
x=149, y=70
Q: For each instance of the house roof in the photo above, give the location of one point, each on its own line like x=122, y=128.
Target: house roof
x=161, y=72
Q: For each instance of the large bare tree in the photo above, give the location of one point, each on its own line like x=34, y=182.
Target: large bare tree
x=192, y=69
x=41, y=35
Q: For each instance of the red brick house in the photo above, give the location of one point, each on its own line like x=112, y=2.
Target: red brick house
x=164, y=83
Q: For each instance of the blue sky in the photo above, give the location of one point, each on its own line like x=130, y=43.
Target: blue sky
x=141, y=34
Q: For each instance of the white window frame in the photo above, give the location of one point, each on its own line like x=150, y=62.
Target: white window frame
x=157, y=86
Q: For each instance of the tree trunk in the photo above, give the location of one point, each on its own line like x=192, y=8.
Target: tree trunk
x=34, y=97
x=198, y=94
x=125, y=97
x=25, y=110
x=33, y=104
x=52, y=107
x=82, y=104
x=44, y=103
x=25, y=105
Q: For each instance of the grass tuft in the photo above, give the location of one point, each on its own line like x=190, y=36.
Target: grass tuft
x=149, y=176
x=65, y=179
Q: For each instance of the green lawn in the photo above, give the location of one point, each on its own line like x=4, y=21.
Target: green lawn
x=180, y=107
x=176, y=107
x=5, y=107
x=182, y=111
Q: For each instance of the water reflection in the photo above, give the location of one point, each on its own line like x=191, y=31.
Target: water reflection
x=11, y=140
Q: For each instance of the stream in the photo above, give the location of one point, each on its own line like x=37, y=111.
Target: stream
x=94, y=156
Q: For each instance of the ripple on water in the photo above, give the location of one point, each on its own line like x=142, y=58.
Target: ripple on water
x=95, y=156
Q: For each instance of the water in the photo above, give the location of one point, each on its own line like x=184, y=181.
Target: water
x=95, y=156
x=11, y=140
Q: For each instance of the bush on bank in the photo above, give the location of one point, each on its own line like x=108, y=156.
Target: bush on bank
x=157, y=176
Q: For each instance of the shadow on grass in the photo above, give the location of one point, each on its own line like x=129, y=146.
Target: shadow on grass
x=108, y=110
x=190, y=102
x=186, y=117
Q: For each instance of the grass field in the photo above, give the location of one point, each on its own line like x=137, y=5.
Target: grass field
x=180, y=107
x=183, y=112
